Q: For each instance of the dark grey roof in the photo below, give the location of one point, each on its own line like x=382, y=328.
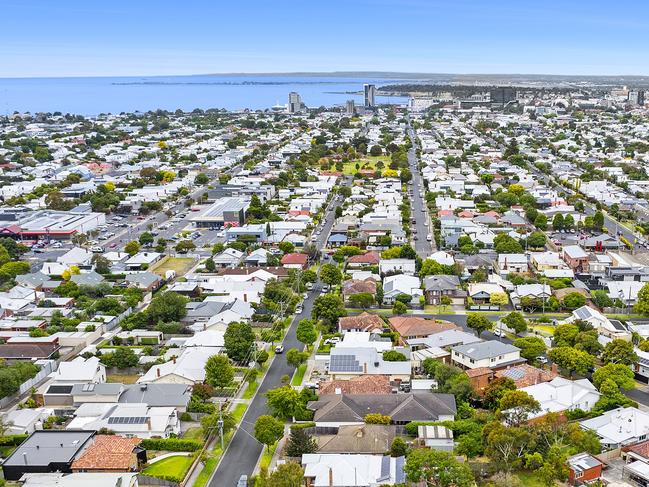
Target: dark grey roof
x=157, y=395
x=59, y=389
x=205, y=308
x=49, y=446
x=143, y=278
x=87, y=279
x=441, y=283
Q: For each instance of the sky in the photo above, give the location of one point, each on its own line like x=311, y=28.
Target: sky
x=45, y=38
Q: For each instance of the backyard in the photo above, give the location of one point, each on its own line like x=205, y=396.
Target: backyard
x=180, y=265
x=175, y=467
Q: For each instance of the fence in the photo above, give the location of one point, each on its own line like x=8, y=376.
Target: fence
x=483, y=307
x=144, y=480
x=627, y=310
x=118, y=319
x=45, y=371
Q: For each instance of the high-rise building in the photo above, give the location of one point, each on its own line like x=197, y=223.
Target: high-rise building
x=294, y=102
x=502, y=95
x=370, y=94
x=636, y=97
x=350, y=107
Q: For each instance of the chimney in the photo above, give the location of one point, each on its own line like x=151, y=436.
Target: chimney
x=331, y=477
x=365, y=368
x=173, y=360
x=158, y=371
x=245, y=298
x=554, y=369
x=148, y=423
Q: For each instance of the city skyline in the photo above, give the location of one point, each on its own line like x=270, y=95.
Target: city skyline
x=466, y=37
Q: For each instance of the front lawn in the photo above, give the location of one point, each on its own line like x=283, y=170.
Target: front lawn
x=175, y=468
x=195, y=433
x=298, y=377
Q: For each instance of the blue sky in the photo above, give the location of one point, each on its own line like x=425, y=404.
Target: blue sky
x=143, y=37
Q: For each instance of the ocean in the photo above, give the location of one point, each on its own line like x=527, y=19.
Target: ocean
x=92, y=96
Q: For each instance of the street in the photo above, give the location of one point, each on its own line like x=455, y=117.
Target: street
x=421, y=227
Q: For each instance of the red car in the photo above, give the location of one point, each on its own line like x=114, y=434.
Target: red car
x=113, y=245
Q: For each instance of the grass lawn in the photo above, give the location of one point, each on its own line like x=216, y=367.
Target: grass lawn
x=178, y=264
x=369, y=162
x=439, y=310
x=123, y=378
x=195, y=433
x=175, y=467
x=213, y=460
x=267, y=456
x=250, y=390
x=238, y=412
x=298, y=376
x=543, y=329
x=529, y=479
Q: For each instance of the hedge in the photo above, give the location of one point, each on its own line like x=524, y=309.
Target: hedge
x=12, y=440
x=411, y=428
x=171, y=444
x=298, y=426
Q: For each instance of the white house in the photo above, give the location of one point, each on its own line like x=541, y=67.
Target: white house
x=563, y=395
x=80, y=370
x=619, y=427
x=188, y=368
x=398, y=284
x=352, y=470
x=406, y=266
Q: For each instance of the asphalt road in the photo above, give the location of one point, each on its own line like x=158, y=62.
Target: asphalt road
x=244, y=450
x=419, y=211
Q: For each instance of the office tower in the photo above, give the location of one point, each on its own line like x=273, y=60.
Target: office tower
x=502, y=95
x=350, y=108
x=636, y=97
x=294, y=102
x=370, y=93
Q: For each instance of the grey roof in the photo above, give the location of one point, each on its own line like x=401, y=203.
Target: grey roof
x=441, y=283
x=35, y=279
x=425, y=406
x=102, y=389
x=49, y=446
x=87, y=279
x=486, y=349
x=143, y=278
x=205, y=308
x=157, y=395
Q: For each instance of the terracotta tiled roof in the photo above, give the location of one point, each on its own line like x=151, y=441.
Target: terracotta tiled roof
x=364, y=384
x=408, y=326
x=364, y=322
x=525, y=375
x=640, y=449
x=370, y=258
x=107, y=452
x=357, y=287
x=478, y=372
x=295, y=259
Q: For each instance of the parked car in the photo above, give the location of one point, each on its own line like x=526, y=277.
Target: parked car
x=279, y=349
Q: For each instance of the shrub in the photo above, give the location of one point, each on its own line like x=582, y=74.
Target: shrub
x=171, y=444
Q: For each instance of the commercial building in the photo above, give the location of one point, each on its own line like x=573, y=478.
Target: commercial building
x=294, y=102
x=350, y=107
x=369, y=92
x=502, y=95
x=20, y=223
x=225, y=212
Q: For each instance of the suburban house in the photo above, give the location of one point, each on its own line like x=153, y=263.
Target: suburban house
x=604, y=326
x=358, y=438
x=576, y=258
x=436, y=287
x=364, y=260
x=508, y=263
x=295, y=261
x=396, y=266
x=188, y=368
x=410, y=327
x=583, y=468
x=146, y=281
x=435, y=437
x=349, y=362
x=399, y=284
x=481, y=292
x=110, y=453
x=490, y=354
x=363, y=384
x=336, y=410
x=561, y=394
x=80, y=370
x=352, y=287
x=362, y=322
x=356, y=470
x=619, y=427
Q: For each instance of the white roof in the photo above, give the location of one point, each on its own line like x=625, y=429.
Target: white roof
x=561, y=394
x=619, y=425
x=350, y=470
x=79, y=369
x=189, y=365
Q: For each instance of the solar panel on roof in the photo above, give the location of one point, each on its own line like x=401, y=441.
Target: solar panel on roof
x=344, y=363
x=514, y=373
x=127, y=420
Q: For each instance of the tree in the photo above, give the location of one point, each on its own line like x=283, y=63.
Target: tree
x=299, y=443
x=121, y=358
x=517, y=406
x=376, y=150
x=498, y=299
x=185, y=246
x=565, y=335
x=328, y=308
x=437, y=468
x=289, y=474
x=504, y=244
x=361, y=300
x=330, y=274
x=210, y=422
x=505, y=446
x=642, y=304
x=572, y=360
x=569, y=222
x=284, y=402
x=201, y=179
x=306, y=332
x=398, y=448
x=146, y=238
x=101, y=263
x=295, y=358
x=167, y=307
x=541, y=221
x=622, y=375
x=479, y=323
x=132, y=248
x=574, y=300
x=286, y=247
x=268, y=430
x=536, y=240
x=377, y=418
x=394, y=356
x=598, y=220
x=398, y=308
x=238, y=341
x=516, y=322
x=532, y=347
x=557, y=222
x=495, y=390
x=619, y=352
x=218, y=371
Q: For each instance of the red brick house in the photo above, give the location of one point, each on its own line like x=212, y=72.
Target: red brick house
x=582, y=468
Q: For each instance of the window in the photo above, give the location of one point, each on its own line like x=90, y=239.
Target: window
x=579, y=474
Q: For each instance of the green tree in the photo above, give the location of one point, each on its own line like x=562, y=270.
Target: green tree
x=565, y=335
x=541, y=221
x=398, y=308
x=218, y=371
x=328, y=308
x=495, y=390
x=498, y=299
x=330, y=274
x=210, y=422
x=517, y=406
x=479, y=323
x=437, y=469
x=289, y=474
x=572, y=360
x=284, y=402
x=300, y=442
x=398, y=448
x=377, y=418
x=361, y=300
x=295, y=358
x=306, y=332
x=574, y=300
x=598, y=220
x=642, y=304
x=536, y=240
x=532, y=347
x=557, y=222
x=146, y=238
x=286, y=247
x=619, y=352
x=515, y=321
x=504, y=244
x=201, y=179
x=268, y=430
x=132, y=248
x=239, y=340
x=167, y=307
x=101, y=263
x=620, y=374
